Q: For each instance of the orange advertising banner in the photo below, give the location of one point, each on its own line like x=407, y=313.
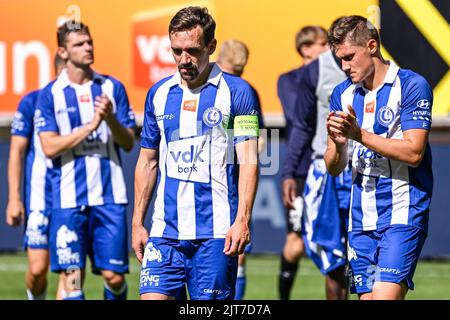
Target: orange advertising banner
x=131, y=40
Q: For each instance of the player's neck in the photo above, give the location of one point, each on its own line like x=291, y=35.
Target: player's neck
x=79, y=75
x=200, y=80
x=375, y=79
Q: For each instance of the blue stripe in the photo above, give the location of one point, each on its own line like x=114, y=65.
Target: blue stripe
x=203, y=191
x=173, y=104
x=48, y=188
x=383, y=196
x=382, y=100
x=81, y=181
x=105, y=167
x=358, y=105
x=28, y=174
x=80, y=166
x=72, y=103
x=420, y=191
x=56, y=179
x=357, y=210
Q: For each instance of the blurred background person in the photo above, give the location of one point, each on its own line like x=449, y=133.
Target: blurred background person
x=27, y=159
x=232, y=58
x=310, y=41
x=326, y=198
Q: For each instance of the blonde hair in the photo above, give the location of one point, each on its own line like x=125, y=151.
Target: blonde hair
x=234, y=53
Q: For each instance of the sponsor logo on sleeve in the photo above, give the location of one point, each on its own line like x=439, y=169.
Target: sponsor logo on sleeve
x=18, y=124
x=423, y=104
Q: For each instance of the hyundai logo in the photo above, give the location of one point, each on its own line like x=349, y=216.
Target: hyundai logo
x=423, y=104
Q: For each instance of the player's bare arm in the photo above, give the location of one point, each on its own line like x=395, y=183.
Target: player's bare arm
x=145, y=177
x=124, y=137
x=238, y=235
x=54, y=144
x=409, y=150
x=15, y=210
x=289, y=192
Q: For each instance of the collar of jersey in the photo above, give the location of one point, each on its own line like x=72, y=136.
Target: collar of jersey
x=214, y=77
x=389, y=78
x=63, y=78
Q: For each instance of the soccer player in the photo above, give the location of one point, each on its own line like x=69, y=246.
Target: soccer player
x=386, y=111
x=26, y=157
x=232, y=58
x=202, y=214
x=310, y=41
x=83, y=118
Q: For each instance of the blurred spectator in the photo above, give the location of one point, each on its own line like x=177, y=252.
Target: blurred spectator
x=310, y=41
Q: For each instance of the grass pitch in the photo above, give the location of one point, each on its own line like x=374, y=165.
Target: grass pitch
x=432, y=280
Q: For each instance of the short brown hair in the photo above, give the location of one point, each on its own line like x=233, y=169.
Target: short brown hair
x=355, y=28
x=70, y=26
x=190, y=17
x=307, y=36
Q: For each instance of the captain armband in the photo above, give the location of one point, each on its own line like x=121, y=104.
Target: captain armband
x=247, y=125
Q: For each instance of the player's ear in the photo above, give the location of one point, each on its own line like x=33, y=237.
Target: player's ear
x=62, y=52
x=212, y=46
x=372, y=45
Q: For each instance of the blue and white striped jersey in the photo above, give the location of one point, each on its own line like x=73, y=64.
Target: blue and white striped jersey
x=91, y=173
x=386, y=191
x=37, y=184
x=197, y=194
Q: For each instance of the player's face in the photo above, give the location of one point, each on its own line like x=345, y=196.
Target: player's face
x=356, y=60
x=80, y=49
x=190, y=52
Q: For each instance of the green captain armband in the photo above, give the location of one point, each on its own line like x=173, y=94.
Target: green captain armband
x=246, y=126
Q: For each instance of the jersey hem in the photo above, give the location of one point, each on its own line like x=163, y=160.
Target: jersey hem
x=385, y=226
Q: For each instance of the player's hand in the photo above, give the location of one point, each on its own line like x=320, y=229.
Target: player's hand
x=104, y=107
x=237, y=237
x=335, y=127
x=95, y=123
x=353, y=131
x=289, y=192
x=15, y=213
x=139, y=238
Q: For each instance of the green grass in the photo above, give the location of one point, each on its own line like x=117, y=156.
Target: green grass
x=432, y=280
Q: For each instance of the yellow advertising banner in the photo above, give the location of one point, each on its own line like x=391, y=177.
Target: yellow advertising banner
x=131, y=40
